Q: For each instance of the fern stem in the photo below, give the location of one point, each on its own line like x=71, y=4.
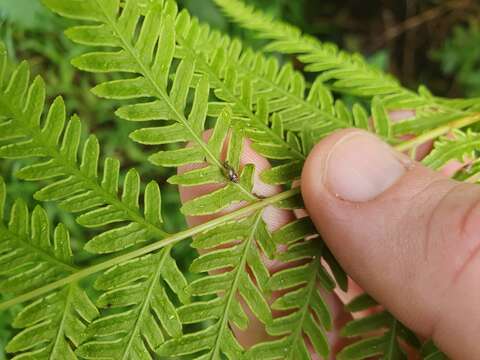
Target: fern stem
x=392, y=341
x=146, y=302
x=239, y=271
x=81, y=274
x=435, y=133
x=171, y=240
x=311, y=285
x=60, y=330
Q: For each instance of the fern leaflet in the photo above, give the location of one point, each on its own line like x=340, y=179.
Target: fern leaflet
x=76, y=186
x=431, y=352
x=53, y=333
x=79, y=191
x=458, y=146
x=225, y=310
x=347, y=73
x=308, y=317
x=389, y=344
x=30, y=257
x=350, y=74
x=200, y=97
x=137, y=289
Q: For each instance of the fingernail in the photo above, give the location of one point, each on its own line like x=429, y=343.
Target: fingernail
x=360, y=167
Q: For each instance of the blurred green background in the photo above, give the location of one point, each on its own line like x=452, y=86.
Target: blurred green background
x=429, y=42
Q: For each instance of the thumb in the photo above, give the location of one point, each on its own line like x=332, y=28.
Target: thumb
x=408, y=235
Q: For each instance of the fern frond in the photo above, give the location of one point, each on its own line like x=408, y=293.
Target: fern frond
x=53, y=326
x=181, y=75
x=286, y=200
x=75, y=183
x=459, y=145
x=343, y=72
x=140, y=55
x=348, y=73
x=191, y=37
x=390, y=344
x=247, y=103
x=308, y=316
x=144, y=313
x=77, y=188
x=120, y=279
x=254, y=85
x=267, y=102
x=430, y=352
x=236, y=254
x=29, y=258
x=424, y=121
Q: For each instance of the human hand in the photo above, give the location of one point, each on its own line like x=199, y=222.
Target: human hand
x=406, y=234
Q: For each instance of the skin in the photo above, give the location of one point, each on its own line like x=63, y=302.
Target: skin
x=419, y=237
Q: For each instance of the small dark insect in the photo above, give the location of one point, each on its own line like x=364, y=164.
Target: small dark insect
x=230, y=172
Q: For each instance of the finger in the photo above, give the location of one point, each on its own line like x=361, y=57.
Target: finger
x=407, y=235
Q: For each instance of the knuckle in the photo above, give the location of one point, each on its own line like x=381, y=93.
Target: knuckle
x=468, y=231
x=453, y=229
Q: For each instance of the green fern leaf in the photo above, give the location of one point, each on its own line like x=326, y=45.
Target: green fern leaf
x=308, y=315
x=235, y=86
x=350, y=74
x=389, y=345
x=74, y=183
x=268, y=102
x=425, y=121
x=460, y=146
x=29, y=258
x=239, y=253
x=144, y=310
x=53, y=326
x=202, y=89
x=77, y=187
x=431, y=352
x=137, y=55
x=346, y=73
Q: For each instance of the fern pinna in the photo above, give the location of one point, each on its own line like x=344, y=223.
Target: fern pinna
x=199, y=98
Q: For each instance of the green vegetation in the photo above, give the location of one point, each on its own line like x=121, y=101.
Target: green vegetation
x=73, y=164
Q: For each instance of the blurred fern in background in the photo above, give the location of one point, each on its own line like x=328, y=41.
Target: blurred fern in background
x=460, y=58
